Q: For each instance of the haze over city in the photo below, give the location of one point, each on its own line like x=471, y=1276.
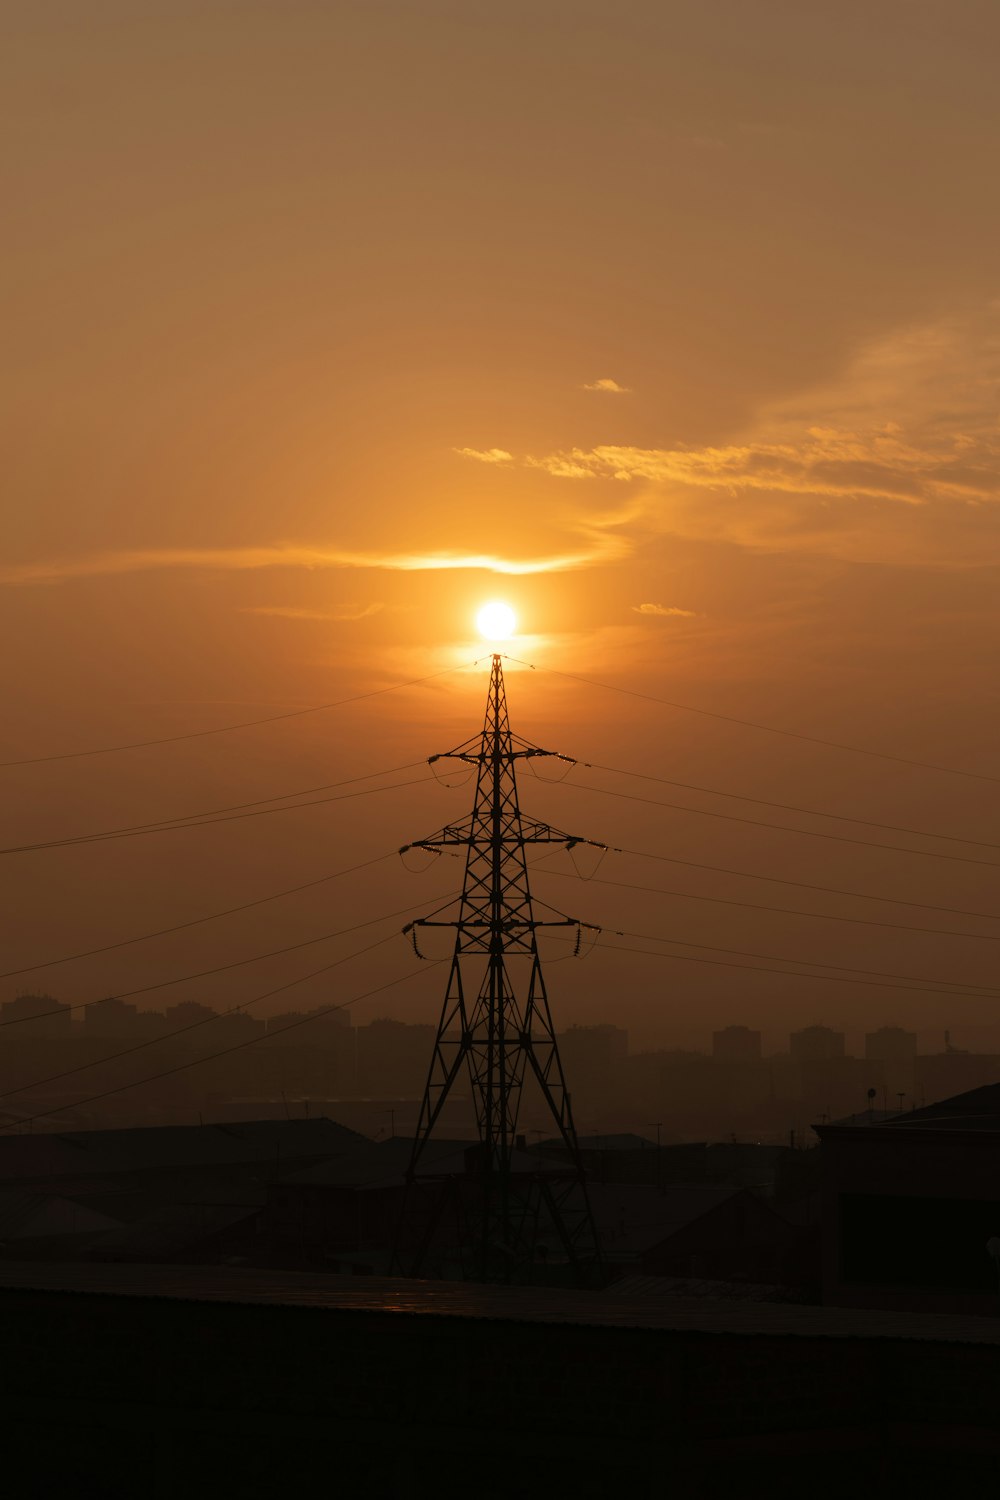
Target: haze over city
x=675, y=332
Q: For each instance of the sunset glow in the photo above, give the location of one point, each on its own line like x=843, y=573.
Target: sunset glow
x=676, y=381
x=496, y=621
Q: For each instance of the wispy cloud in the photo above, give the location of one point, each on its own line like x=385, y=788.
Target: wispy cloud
x=487, y=455
x=575, y=465
x=296, y=612
x=606, y=384
x=600, y=545
x=880, y=464
x=897, y=460
x=663, y=611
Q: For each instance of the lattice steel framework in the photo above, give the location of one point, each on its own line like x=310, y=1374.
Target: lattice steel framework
x=496, y=1028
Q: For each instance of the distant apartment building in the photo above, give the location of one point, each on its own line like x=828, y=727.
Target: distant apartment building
x=593, y=1060
x=323, y=1023
x=393, y=1059
x=890, y=1044
x=37, y=1016
x=187, y=1013
x=738, y=1044
x=816, y=1044
x=111, y=1017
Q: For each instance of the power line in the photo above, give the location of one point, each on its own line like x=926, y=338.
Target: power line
x=239, y=963
x=791, y=734
x=831, y=890
x=306, y=791
x=177, y=1031
x=196, y=921
x=812, y=812
x=200, y=734
x=140, y=830
x=810, y=833
x=761, y=969
x=788, y=911
x=224, y=1051
x=929, y=986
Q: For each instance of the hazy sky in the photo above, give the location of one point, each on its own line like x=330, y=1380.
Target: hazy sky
x=675, y=323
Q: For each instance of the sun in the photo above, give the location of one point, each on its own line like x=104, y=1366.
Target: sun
x=496, y=621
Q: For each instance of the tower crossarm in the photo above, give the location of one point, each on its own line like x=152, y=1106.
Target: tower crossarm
x=481, y=756
x=508, y=925
x=467, y=834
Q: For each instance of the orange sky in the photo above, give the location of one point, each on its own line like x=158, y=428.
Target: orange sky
x=681, y=317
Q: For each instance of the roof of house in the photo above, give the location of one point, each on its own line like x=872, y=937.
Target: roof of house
x=626, y=1141
x=975, y=1110
x=633, y=1217
x=692, y=1288
x=28, y=1214
x=164, y=1147
x=172, y=1229
x=396, y=1296
x=383, y=1164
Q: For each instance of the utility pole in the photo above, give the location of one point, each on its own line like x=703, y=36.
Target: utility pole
x=497, y=1220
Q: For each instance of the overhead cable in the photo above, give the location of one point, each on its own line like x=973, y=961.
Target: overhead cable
x=788, y=911
x=791, y=734
x=812, y=812
x=177, y=826
x=200, y=734
x=239, y=963
x=804, y=885
x=719, y=963
x=214, y=916
x=907, y=981
x=809, y=833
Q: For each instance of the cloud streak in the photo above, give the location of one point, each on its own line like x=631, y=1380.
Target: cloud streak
x=664, y=611
x=897, y=461
x=296, y=612
x=879, y=464
x=605, y=384
x=600, y=547
x=487, y=455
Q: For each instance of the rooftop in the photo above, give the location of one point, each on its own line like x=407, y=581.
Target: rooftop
x=976, y=1110
x=99, y=1152
x=401, y=1297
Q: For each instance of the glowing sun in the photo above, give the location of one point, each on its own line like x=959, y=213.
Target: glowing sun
x=496, y=622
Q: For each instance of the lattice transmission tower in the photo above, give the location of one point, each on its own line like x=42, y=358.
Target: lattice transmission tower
x=505, y=1216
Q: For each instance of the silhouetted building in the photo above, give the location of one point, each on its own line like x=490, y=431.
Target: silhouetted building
x=188, y=1013
x=393, y=1058
x=911, y=1207
x=692, y=1230
x=890, y=1044
x=112, y=1018
x=736, y=1044
x=816, y=1044
x=37, y=1016
x=156, y=1194
x=593, y=1058
x=323, y=1023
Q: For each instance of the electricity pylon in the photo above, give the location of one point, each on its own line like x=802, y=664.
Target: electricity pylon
x=503, y=1219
